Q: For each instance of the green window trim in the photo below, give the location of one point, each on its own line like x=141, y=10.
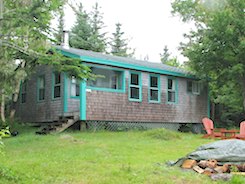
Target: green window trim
x=123, y=90
x=175, y=90
x=56, y=85
x=39, y=88
x=65, y=108
x=139, y=86
x=151, y=88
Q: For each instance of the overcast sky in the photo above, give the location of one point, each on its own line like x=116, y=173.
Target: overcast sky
x=149, y=24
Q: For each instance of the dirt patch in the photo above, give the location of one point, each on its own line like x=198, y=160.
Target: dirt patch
x=69, y=138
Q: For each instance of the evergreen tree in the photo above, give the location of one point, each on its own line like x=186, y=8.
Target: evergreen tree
x=81, y=32
x=97, y=38
x=119, y=45
x=167, y=60
x=165, y=55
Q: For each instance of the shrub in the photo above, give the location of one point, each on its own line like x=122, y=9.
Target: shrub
x=162, y=134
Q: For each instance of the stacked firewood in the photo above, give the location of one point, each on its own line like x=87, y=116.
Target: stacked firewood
x=210, y=167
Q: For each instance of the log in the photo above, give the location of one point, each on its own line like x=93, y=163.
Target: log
x=188, y=164
x=198, y=169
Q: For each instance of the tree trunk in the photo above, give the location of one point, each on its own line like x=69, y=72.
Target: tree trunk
x=15, y=96
x=3, y=106
x=243, y=92
x=213, y=111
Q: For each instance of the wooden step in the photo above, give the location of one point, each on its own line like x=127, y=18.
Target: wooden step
x=57, y=126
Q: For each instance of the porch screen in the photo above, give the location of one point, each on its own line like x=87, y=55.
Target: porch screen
x=110, y=79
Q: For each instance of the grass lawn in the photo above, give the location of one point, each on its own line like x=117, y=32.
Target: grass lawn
x=100, y=157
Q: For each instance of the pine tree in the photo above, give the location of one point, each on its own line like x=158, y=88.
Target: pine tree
x=119, y=45
x=98, y=38
x=165, y=55
x=81, y=31
x=167, y=60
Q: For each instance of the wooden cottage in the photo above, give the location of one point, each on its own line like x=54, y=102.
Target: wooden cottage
x=131, y=93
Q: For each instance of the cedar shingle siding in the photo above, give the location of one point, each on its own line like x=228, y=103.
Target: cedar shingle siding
x=113, y=106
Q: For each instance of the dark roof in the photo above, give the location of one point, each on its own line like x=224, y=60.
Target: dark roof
x=124, y=60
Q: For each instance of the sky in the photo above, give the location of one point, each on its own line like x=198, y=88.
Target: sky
x=148, y=24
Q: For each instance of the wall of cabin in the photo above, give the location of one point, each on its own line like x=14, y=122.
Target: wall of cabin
x=34, y=110
x=112, y=106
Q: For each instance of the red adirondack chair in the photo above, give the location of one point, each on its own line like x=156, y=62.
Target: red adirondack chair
x=241, y=135
x=209, y=127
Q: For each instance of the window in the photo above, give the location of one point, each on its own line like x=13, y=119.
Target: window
x=23, y=92
x=41, y=88
x=135, y=87
x=189, y=86
x=154, y=88
x=193, y=87
x=56, y=85
x=172, y=88
x=75, y=87
x=108, y=80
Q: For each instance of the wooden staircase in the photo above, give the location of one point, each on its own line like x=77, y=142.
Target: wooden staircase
x=57, y=126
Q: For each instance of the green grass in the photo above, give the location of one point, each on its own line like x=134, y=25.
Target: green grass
x=101, y=157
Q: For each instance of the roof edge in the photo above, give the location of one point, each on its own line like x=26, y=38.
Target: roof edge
x=125, y=65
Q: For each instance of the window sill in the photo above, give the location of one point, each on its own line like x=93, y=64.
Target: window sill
x=75, y=97
x=155, y=102
x=135, y=100
x=58, y=98
x=107, y=89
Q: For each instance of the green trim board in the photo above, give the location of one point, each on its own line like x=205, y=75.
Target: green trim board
x=175, y=90
x=83, y=102
x=65, y=108
x=106, y=89
x=158, y=88
x=126, y=65
x=139, y=86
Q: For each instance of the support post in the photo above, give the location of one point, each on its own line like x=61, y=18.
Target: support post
x=65, y=93
x=83, y=105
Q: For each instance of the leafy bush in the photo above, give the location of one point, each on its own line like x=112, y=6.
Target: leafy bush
x=162, y=134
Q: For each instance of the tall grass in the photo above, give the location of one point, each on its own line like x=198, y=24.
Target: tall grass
x=101, y=157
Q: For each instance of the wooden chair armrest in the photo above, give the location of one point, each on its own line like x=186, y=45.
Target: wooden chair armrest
x=218, y=129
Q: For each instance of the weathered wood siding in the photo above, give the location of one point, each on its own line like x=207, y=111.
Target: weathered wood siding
x=40, y=111
x=112, y=106
x=116, y=106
